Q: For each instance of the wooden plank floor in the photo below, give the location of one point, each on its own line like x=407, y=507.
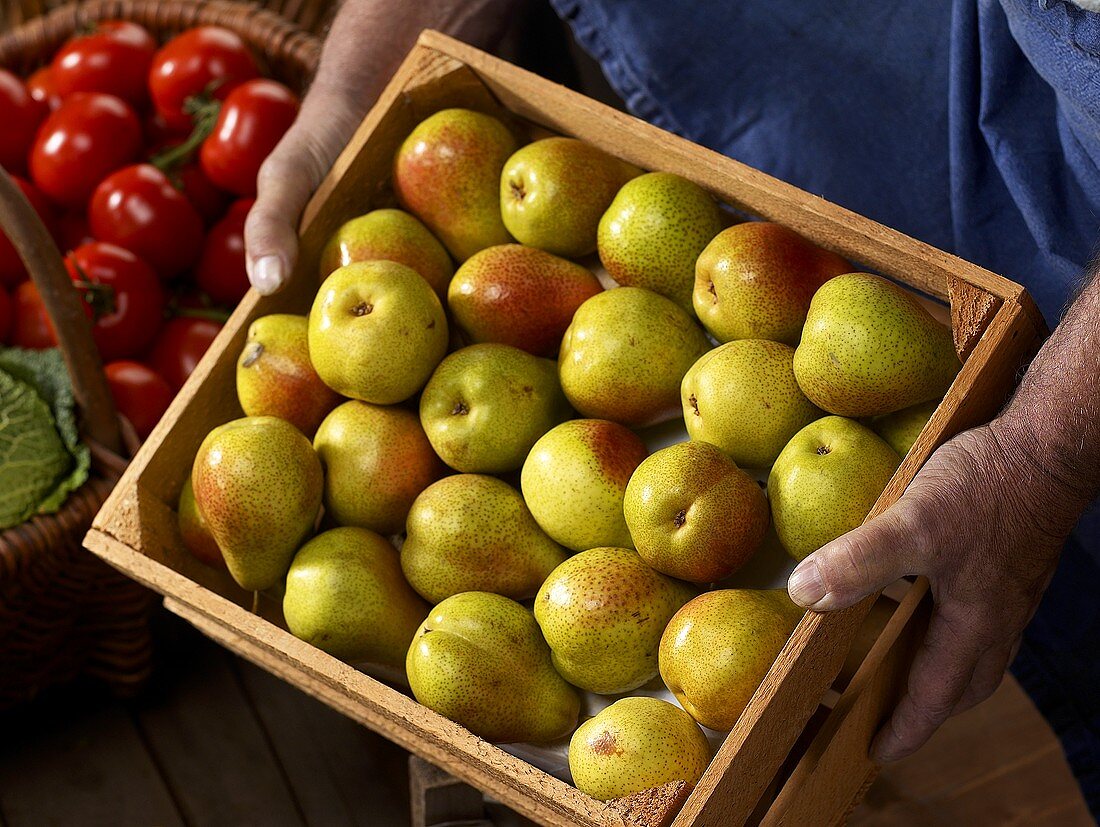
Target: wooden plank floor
x=216, y=741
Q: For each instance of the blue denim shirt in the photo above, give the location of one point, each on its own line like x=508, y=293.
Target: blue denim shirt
x=973, y=125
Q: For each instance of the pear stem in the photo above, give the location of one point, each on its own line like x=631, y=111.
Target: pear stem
x=255, y=603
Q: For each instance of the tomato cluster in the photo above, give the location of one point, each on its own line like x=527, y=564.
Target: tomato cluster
x=141, y=160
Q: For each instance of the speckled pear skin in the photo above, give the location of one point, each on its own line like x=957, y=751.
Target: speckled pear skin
x=869, y=347
x=377, y=460
x=376, y=332
x=574, y=480
x=553, y=193
x=625, y=354
x=276, y=378
x=345, y=594
x=717, y=649
x=654, y=231
x=480, y=660
x=447, y=174
x=471, y=532
x=825, y=481
x=742, y=396
x=257, y=483
x=602, y=612
x=392, y=235
x=755, y=281
x=196, y=535
x=519, y=296
x=901, y=428
x=636, y=744
x=486, y=405
x=693, y=514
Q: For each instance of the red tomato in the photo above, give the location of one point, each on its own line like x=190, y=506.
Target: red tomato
x=158, y=135
x=180, y=346
x=205, y=59
x=221, y=272
x=5, y=315
x=139, y=209
x=31, y=326
x=73, y=231
x=122, y=296
x=209, y=200
x=12, y=270
x=113, y=58
x=21, y=116
x=88, y=138
x=140, y=394
x=42, y=88
x=252, y=120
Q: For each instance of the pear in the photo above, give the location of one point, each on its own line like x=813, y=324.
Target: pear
x=717, y=649
x=479, y=660
x=376, y=332
x=377, y=461
x=519, y=296
x=470, y=532
x=392, y=235
x=554, y=191
x=869, y=347
x=625, y=354
x=196, y=535
x=447, y=173
x=755, y=281
x=486, y=405
x=574, y=480
x=345, y=595
x=654, y=231
x=634, y=745
x=693, y=514
x=825, y=482
x=602, y=612
x=743, y=397
x=257, y=484
x=276, y=378
x=901, y=428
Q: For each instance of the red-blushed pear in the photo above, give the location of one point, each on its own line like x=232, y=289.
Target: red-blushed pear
x=377, y=460
x=653, y=232
x=376, y=332
x=717, y=649
x=625, y=354
x=276, y=378
x=693, y=514
x=447, y=174
x=345, y=595
x=553, y=193
x=742, y=396
x=574, y=480
x=755, y=281
x=826, y=480
x=257, y=484
x=391, y=235
x=634, y=745
x=870, y=347
x=196, y=535
x=471, y=532
x=519, y=296
x=602, y=612
x=480, y=660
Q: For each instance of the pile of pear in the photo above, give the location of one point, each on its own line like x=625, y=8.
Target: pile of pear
x=439, y=469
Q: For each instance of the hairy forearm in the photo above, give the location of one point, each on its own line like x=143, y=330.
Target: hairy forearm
x=1054, y=417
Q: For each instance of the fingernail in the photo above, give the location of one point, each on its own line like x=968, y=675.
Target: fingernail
x=806, y=587
x=267, y=274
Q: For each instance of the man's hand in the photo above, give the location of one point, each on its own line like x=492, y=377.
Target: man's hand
x=985, y=521
x=366, y=43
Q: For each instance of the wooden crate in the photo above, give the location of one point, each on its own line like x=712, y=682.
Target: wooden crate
x=798, y=755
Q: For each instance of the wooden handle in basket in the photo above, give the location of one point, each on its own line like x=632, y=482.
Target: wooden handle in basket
x=39, y=253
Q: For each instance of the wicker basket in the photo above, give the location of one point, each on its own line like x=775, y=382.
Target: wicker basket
x=63, y=612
